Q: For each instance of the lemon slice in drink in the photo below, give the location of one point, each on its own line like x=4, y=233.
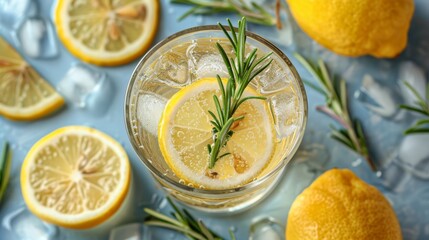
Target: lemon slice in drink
x=106, y=32
x=185, y=132
x=75, y=177
x=24, y=94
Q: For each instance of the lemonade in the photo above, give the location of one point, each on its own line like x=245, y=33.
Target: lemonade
x=167, y=118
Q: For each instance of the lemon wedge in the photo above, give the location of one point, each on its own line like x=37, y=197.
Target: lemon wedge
x=75, y=177
x=185, y=131
x=107, y=33
x=24, y=94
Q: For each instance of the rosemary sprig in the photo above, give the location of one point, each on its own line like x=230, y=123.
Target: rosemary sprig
x=253, y=11
x=351, y=135
x=5, y=163
x=182, y=222
x=421, y=106
x=241, y=71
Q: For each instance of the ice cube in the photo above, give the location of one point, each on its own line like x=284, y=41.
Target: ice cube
x=266, y=228
x=205, y=60
x=172, y=69
x=36, y=37
x=149, y=111
x=87, y=88
x=274, y=79
x=133, y=231
x=376, y=97
x=286, y=113
x=415, y=76
x=414, y=154
x=211, y=65
x=12, y=13
x=394, y=177
x=26, y=226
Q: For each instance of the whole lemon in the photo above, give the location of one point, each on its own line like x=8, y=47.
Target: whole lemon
x=358, y=27
x=339, y=205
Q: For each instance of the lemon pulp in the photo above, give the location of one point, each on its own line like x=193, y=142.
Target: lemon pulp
x=185, y=131
x=24, y=94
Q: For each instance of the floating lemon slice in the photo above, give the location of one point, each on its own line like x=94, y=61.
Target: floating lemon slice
x=75, y=177
x=185, y=132
x=107, y=33
x=24, y=94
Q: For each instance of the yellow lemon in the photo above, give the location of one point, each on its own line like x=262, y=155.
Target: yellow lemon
x=75, y=177
x=107, y=33
x=24, y=94
x=339, y=205
x=185, y=131
x=355, y=28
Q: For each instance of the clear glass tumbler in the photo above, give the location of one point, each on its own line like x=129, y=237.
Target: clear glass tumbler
x=184, y=58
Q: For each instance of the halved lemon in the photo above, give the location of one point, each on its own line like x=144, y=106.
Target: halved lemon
x=75, y=177
x=24, y=94
x=185, y=131
x=106, y=32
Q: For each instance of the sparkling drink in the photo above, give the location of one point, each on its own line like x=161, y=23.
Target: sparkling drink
x=181, y=61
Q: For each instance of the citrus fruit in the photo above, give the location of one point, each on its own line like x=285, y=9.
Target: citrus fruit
x=339, y=205
x=75, y=177
x=185, y=131
x=355, y=28
x=107, y=33
x=24, y=94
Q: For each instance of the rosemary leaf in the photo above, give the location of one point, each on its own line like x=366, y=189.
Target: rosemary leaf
x=253, y=12
x=184, y=223
x=422, y=107
x=5, y=164
x=336, y=107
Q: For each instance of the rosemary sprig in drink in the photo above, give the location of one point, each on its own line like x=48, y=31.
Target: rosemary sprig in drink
x=241, y=71
x=421, y=107
x=253, y=12
x=182, y=222
x=336, y=107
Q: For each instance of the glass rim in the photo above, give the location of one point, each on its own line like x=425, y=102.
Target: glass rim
x=284, y=162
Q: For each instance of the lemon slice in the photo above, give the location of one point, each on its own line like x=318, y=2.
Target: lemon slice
x=185, y=132
x=75, y=177
x=24, y=94
x=106, y=32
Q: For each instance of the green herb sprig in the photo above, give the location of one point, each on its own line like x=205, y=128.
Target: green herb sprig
x=421, y=106
x=241, y=71
x=5, y=163
x=335, y=92
x=253, y=11
x=182, y=222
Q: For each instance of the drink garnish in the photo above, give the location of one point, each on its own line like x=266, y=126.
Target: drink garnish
x=242, y=70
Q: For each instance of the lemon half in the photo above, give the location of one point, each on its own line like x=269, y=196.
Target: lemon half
x=185, y=132
x=75, y=177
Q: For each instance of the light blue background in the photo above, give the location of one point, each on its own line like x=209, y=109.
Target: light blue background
x=411, y=205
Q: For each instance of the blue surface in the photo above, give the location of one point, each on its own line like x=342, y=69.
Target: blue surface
x=411, y=201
